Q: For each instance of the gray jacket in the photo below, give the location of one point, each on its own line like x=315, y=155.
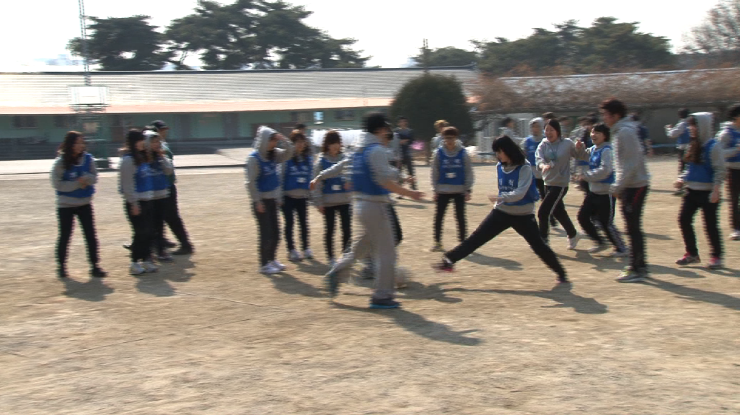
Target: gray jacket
x=725, y=140
x=450, y=188
x=525, y=180
x=252, y=168
x=330, y=199
x=595, y=176
x=557, y=155
x=676, y=131
x=704, y=124
x=57, y=172
x=629, y=157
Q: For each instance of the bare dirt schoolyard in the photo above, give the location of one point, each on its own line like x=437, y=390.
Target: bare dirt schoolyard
x=208, y=334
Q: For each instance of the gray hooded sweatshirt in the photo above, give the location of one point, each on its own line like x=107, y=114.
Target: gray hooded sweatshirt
x=725, y=140
x=629, y=157
x=57, y=172
x=704, y=130
x=330, y=199
x=451, y=188
x=557, y=155
x=595, y=176
x=252, y=168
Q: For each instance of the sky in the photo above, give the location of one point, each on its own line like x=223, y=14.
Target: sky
x=390, y=31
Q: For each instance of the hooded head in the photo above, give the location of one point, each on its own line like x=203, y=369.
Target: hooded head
x=538, y=121
x=703, y=126
x=262, y=141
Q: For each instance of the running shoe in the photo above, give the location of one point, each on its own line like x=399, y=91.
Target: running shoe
x=444, y=266
x=97, y=272
x=735, y=236
x=294, y=255
x=149, y=266
x=136, y=269
x=308, y=254
x=573, y=242
x=384, y=304
x=279, y=265
x=688, y=259
x=437, y=247
x=269, y=269
x=164, y=257
x=715, y=263
x=631, y=275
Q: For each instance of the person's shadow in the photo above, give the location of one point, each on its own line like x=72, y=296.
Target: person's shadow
x=93, y=290
x=481, y=259
x=420, y=326
x=291, y=285
x=562, y=294
x=414, y=290
x=695, y=294
x=312, y=266
x=154, y=283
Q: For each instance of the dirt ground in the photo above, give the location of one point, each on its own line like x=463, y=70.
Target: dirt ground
x=209, y=334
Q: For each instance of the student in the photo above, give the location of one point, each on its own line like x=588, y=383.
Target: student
x=553, y=158
x=507, y=129
x=373, y=179
x=439, y=125
x=730, y=141
x=73, y=176
x=703, y=177
x=680, y=133
x=630, y=183
x=296, y=177
x=529, y=145
x=452, y=180
x=333, y=196
x=513, y=208
x=160, y=190
x=137, y=188
x=643, y=134
x=405, y=139
x=599, y=204
x=583, y=134
x=263, y=186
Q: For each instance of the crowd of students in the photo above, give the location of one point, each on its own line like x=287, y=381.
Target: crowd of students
x=283, y=174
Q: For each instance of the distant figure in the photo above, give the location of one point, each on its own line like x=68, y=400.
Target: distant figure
x=680, y=133
x=643, y=134
x=405, y=139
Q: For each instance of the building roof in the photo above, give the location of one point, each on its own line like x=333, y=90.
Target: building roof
x=216, y=91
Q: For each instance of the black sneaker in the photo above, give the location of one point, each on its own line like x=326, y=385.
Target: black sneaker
x=444, y=266
x=386, y=303
x=168, y=244
x=127, y=246
x=97, y=272
x=62, y=273
x=184, y=250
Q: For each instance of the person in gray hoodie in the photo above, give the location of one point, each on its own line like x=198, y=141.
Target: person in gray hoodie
x=263, y=186
x=452, y=180
x=296, y=176
x=73, y=176
x=630, y=183
x=529, y=145
x=729, y=139
x=553, y=158
x=333, y=195
x=703, y=177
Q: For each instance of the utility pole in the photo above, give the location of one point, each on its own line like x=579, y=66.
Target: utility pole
x=83, y=37
x=424, y=56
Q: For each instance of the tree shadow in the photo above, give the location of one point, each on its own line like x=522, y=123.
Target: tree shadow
x=481, y=259
x=93, y=290
x=291, y=285
x=695, y=294
x=561, y=293
x=420, y=326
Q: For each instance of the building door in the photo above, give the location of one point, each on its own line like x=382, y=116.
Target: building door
x=182, y=128
x=231, y=125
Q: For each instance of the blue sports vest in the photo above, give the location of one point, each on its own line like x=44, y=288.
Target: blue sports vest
x=297, y=175
x=530, y=147
x=508, y=182
x=268, y=179
x=160, y=181
x=72, y=174
x=362, y=175
x=334, y=185
x=702, y=172
x=595, y=162
x=685, y=137
x=451, y=169
x=734, y=143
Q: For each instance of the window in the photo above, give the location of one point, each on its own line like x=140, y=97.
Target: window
x=302, y=116
x=24, y=121
x=344, y=115
x=64, y=121
x=318, y=117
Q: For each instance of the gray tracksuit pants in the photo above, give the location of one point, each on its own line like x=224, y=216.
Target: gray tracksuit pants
x=375, y=239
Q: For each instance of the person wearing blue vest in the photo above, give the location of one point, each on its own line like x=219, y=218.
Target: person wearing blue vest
x=74, y=176
x=599, y=204
x=680, y=133
x=263, y=185
x=452, y=180
x=296, y=176
x=373, y=180
x=703, y=177
x=333, y=195
x=513, y=208
x=729, y=139
x=529, y=145
x=160, y=189
x=137, y=186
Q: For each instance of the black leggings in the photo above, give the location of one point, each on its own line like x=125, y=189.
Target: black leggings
x=86, y=217
x=733, y=186
x=408, y=163
x=541, y=188
x=269, y=230
x=143, y=228
x=497, y=222
x=443, y=199
x=681, y=161
x=602, y=208
x=173, y=220
x=159, y=206
x=290, y=207
x=552, y=205
x=633, y=202
x=693, y=201
x=330, y=218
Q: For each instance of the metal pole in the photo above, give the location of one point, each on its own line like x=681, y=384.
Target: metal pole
x=83, y=37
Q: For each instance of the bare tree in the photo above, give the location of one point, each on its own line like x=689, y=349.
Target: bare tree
x=718, y=37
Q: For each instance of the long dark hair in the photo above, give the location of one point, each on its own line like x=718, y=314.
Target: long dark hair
x=132, y=137
x=331, y=137
x=65, y=150
x=603, y=129
x=556, y=125
x=693, y=155
x=295, y=136
x=515, y=153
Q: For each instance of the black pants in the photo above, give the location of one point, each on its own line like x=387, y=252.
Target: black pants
x=633, y=202
x=693, y=201
x=158, y=213
x=681, y=162
x=601, y=208
x=173, y=220
x=733, y=186
x=330, y=218
x=408, y=163
x=497, y=222
x=552, y=205
x=144, y=231
x=291, y=206
x=269, y=230
x=443, y=199
x=541, y=188
x=66, y=225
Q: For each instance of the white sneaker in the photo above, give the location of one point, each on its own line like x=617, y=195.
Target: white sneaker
x=294, y=255
x=269, y=269
x=149, y=266
x=735, y=236
x=573, y=242
x=279, y=265
x=136, y=269
x=308, y=253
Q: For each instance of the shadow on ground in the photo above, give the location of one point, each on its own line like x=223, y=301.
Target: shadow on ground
x=562, y=294
x=93, y=290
